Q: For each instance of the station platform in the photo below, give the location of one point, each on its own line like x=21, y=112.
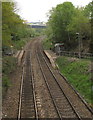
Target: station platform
x=19, y=55
x=51, y=56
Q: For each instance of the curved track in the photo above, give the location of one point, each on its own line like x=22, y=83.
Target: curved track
x=62, y=104
x=66, y=102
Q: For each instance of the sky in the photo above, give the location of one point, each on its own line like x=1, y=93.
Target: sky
x=37, y=10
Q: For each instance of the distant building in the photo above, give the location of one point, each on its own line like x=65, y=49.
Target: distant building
x=37, y=24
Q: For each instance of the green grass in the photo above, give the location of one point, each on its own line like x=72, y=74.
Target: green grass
x=78, y=74
x=6, y=82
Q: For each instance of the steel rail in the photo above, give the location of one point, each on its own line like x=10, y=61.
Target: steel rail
x=85, y=103
x=59, y=115
x=35, y=105
x=20, y=100
x=62, y=92
x=77, y=94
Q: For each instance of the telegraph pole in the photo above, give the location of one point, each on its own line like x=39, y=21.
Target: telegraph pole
x=79, y=45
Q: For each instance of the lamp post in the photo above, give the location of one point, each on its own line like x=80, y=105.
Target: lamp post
x=11, y=49
x=79, y=45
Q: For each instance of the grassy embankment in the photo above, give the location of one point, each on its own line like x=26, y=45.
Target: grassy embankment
x=78, y=73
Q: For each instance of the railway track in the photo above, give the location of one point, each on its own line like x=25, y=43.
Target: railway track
x=61, y=102
x=77, y=100
x=63, y=105
x=27, y=103
x=70, y=86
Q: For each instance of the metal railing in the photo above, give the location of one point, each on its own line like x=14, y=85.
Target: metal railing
x=76, y=54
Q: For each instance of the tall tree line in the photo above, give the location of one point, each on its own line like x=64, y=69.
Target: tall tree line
x=14, y=30
x=67, y=24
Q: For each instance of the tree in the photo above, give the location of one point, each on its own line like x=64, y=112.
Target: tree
x=91, y=42
x=7, y=13
x=79, y=23
x=13, y=27
x=65, y=21
x=59, y=18
x=88, y=10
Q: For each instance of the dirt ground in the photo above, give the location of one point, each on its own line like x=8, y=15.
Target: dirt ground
x=10, y=101
x=44, y=103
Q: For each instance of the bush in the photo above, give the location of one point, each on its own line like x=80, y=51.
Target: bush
x=5, y=81
x=8, y=66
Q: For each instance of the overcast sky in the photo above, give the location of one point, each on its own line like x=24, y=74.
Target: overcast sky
x=36, y=10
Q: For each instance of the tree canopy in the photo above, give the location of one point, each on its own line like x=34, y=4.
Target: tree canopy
x=65, y=20
x=13, y=27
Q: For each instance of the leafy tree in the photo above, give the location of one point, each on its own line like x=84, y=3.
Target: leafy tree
x=13, y=30
x=88, y=9
x=59, y=19
x=91, y=42
x=79, y=23
x=13, y=27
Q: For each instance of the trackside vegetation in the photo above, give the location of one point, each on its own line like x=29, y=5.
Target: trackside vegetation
x=47, y=44
x=78, y=73
x=9, y=65
x=15, y=34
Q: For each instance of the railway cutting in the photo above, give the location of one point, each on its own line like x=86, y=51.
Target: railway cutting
x=40, y=78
